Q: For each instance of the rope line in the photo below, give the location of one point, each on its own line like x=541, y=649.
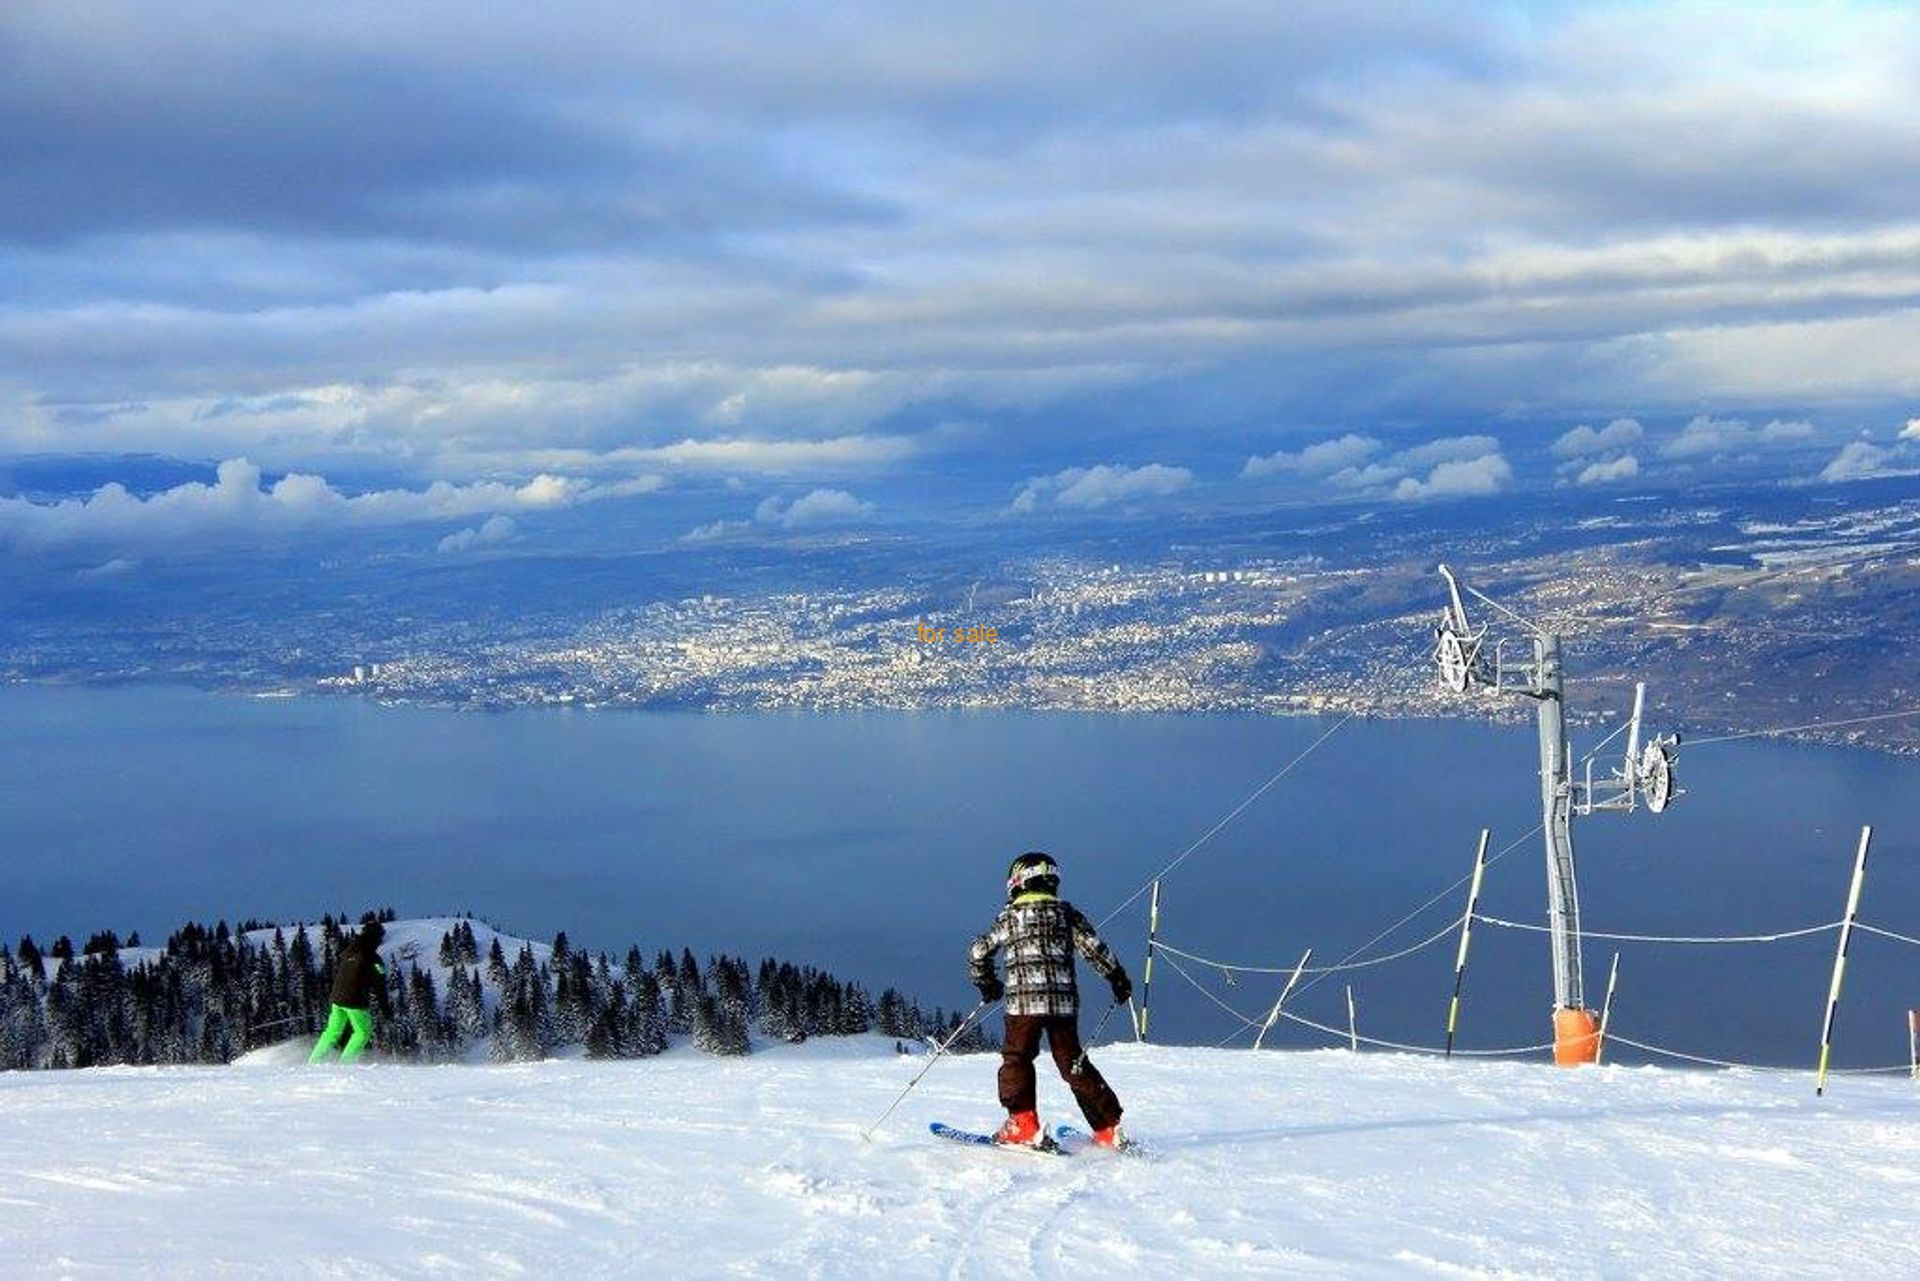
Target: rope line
x=1748, y=1067
x=1888, y=934
x=1347, y=1037
x=1340, y=1033
x=1453, y=888
x=1224, y=966
x=1232, y=814
x=1794, y=729
x=1342, y=1036
x=1207, y=992
x=1672, y=938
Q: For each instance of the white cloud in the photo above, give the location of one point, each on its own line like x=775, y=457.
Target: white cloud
x=715, y=529
x=1583, y=441
x=814, y=508
x=1322, y=459
x=497, y=529
x=1372, y=476
x=1857, y=460
x=1912, y=430
x=759, y=455
x=1459, y=478
x=1447, y=449
x=1608, y=470
x=1454, y=465
x=817, y=507
x=1707, y=436
x=1087, y=488
x=237, y=506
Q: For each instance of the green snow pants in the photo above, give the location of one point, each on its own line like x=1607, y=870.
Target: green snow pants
x=338, y=1020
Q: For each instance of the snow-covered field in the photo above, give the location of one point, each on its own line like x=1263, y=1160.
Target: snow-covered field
x=687, y=1165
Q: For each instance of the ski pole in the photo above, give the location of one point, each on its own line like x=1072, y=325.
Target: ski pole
x=1097, y=1029
x=262, y=1027
x=939, y=1049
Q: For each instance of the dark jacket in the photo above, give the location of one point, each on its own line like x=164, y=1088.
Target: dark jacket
x=360, y=978
x=1040, y=934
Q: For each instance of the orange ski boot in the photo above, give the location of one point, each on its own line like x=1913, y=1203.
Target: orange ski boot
x=1020, y=1128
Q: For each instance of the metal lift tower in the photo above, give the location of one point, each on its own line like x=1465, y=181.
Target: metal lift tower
x=1646, y=776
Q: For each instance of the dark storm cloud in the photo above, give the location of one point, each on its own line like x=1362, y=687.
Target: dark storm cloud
x=276, y=140
x=602, y=235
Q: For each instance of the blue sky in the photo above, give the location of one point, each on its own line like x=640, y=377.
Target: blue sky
x=828, y=262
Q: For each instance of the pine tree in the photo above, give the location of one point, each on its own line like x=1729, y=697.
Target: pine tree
x=603, y=1038
x=466, y=1007
x=646, y=1030
x=575, y=999
x=496, y=965
x=666, y=977
x=433, y=1029
x=30, y=958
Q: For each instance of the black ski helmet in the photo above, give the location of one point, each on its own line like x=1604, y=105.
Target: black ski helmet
x=1034, y=872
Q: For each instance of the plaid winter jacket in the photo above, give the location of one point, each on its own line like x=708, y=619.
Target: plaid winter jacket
x=1040, y=934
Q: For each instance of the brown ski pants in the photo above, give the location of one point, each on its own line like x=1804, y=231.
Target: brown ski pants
x=1022, y=1047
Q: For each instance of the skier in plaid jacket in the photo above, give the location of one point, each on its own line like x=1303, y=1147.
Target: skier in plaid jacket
x=1039, y=932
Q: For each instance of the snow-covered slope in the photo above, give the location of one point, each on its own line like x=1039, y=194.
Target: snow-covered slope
x=690, y=1165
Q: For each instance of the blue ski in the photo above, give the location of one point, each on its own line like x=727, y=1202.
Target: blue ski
x=1046, y=1147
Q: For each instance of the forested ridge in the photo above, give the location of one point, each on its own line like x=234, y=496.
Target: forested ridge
x=213, y=993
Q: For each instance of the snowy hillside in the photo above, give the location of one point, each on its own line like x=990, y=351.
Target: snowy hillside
x=689, y=1165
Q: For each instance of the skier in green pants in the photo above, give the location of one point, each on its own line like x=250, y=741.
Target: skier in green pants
x=359, y=976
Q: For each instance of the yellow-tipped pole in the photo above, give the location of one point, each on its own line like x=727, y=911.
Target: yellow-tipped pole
x=1466, y=937
x=1146, y=971
x=1840, y=958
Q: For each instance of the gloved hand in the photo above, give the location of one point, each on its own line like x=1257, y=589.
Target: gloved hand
x=1122, y=987
x=991, y=989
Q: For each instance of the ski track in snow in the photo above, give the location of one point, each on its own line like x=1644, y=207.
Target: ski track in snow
x=683, y=1165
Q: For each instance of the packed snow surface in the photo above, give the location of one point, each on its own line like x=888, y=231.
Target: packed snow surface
x=686, y=1165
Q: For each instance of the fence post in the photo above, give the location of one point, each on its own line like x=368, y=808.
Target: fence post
x=1281, y=1000
x=1606, y=1010
x=1466, y=937
x=1840, y=958
x=1146, y=973
x=1353, y=1026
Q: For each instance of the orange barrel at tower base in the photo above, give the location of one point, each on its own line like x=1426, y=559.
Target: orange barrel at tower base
x=1576, y=1037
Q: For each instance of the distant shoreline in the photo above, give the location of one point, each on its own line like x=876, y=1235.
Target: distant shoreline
x=1864, y=740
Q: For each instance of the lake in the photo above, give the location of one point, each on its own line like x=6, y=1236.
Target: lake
x=875, y=844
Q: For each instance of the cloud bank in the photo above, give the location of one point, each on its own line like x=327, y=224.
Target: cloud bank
x=1103, y=485
x=816, y=508
x=1487, y=473
x=1710, y=437
x=1583, y=441
x=1608, y=471
x=452, y=241
x=238, y=507
x=1322, y=459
